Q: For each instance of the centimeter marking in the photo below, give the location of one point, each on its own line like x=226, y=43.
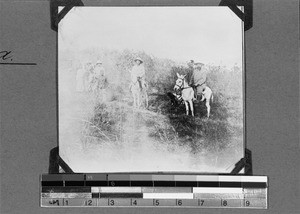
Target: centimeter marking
x=120, y=196
x=259, y=203
x=162, y=190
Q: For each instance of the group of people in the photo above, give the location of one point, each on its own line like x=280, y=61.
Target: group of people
x=198, y=74
x=91, y=77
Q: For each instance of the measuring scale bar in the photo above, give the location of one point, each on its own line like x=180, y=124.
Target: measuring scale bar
x=202, y=191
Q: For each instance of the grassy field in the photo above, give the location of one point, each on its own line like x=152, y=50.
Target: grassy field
x=217, y=141
x=160, y=137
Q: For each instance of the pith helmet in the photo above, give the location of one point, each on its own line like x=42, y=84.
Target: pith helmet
x=138, y=59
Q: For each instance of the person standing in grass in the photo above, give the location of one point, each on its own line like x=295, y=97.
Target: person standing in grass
x=138, y=73
x=99, y=81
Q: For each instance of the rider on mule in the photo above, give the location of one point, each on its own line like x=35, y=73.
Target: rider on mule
x=198, y=78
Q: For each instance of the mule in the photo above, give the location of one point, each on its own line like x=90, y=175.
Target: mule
x=188, y=94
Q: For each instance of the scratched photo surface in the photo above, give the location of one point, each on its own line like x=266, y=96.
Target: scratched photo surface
x=126, y=80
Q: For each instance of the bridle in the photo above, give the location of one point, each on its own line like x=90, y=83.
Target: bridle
x=181, y=87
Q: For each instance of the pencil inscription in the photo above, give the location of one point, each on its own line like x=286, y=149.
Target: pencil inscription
x=6, y=55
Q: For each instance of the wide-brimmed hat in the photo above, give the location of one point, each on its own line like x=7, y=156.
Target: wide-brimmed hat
x=138, y=59
x=198, y=64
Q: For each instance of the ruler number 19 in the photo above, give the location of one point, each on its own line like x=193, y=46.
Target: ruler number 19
x=247, y=203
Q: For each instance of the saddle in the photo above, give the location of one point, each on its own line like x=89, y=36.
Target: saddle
x=197, y=91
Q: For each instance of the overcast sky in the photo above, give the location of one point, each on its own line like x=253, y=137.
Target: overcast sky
x=205, y=34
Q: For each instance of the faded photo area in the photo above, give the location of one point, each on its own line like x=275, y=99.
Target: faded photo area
x=151, y=89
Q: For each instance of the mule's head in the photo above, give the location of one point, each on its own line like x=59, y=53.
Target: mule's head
x=179, y=82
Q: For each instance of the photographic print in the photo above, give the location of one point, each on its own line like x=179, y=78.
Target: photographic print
x=151, y=89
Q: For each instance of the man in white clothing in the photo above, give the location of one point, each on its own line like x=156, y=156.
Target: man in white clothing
x=137, y=72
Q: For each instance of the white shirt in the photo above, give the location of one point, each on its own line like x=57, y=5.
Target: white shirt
x=137, y=71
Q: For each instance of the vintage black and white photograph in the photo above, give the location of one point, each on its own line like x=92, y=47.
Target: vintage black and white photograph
x=148, y=89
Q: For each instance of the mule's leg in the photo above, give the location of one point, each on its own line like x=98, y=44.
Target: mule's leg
x=186, y=107
x=138, y=100
x=191, y=107
x=203, y=97
x=208, y=107
x=147, y=101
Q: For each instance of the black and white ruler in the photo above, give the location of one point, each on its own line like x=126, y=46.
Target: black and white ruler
x=153, y=190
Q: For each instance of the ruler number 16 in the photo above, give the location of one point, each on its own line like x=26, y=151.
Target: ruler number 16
x=179, y=202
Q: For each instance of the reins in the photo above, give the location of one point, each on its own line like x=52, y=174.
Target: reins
x=182, y=87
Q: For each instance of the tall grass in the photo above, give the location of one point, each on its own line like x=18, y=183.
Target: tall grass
x=168, y=124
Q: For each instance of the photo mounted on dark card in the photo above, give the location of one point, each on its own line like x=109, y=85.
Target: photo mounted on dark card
x=151, y=89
